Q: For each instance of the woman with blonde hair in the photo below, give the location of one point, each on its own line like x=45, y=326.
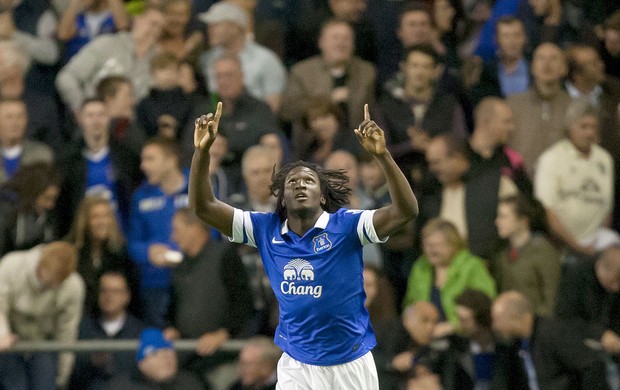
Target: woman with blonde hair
x=445, y=269
x=102, y=247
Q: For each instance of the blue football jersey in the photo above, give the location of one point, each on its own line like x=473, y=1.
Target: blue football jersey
x=317, y=280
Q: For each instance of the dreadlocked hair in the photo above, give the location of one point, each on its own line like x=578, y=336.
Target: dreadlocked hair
x=333, y=186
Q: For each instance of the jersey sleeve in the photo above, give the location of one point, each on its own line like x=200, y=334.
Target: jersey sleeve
x=366, y=229
x=243, y=228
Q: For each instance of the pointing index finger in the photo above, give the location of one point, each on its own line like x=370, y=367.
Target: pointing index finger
x=218, y=112
x=366, y=113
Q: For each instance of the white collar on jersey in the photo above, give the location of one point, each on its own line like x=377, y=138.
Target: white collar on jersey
x=320, y=223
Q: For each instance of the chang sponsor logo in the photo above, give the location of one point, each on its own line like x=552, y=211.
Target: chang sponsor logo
x=297, y=273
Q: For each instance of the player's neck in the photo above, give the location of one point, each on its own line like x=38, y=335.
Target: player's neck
x=300, y=221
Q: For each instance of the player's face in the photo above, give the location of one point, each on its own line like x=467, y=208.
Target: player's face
x=302, y=190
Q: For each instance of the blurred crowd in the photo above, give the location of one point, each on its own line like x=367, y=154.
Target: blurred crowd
x=503, y=114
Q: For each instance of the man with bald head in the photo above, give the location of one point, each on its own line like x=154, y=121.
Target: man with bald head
x=419, y=321
x=591, y=292
x=546, y=353
x=493, y=126
x=539, y=111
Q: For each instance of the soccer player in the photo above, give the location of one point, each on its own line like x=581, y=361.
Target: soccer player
x=312, y=252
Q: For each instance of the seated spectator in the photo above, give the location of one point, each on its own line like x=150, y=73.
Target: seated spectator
x=508, y=72
x=574, y=182
x=448, y=30
x=93, y=370
x=166, y=110
x=322, y=132
x=610, y=46
x=118, y=95
x=43, y=111
x=539, y=112
x=545, y=353
x=176, y=38
x=15, y=148
x=263, y=73
x=97, y=165
x=493, y=126
x=468, y=361
x=102, y=248
x=590, y=292
x=467, y=201
x=84, y=20
x=348, y=80
x=27, y=202
x=125, y=54
x=258, y=360
x=42, y=299
x=413, y=354
x=444, y=271
x=158, y=367
x=150, y=224
x=245, y=119
x=210, y=276
x=530, y=264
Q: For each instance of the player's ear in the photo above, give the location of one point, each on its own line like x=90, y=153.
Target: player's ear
x=323, y=201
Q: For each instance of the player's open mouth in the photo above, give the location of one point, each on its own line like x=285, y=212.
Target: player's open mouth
x=301, y=196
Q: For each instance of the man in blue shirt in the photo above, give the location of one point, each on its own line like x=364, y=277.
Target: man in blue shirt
x=312, y=253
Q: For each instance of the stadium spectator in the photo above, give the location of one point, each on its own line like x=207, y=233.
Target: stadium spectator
x=245, y=120
x=610, y=46
x=153, y=206
x=444, y=271
x=489, y=152
x=158, y=367
x=118, y=95
x=41, y=298
x=16, y=149
x=469, y=202
x=27, y=204
x=95, y=164
x=102, y=248
x=574, y=182
x=530, y=264
x=539, y=112
x=263, y=73
x=166, y=110
x=546, y=353
x=44, y=122
x=336, y=72
x=125, y=54
x=210, y=276
x=84, y=20
x=257, y=365
x=110, y=322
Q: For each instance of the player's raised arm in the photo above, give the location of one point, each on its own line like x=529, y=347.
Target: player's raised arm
x=202, y=201
x=404, y=205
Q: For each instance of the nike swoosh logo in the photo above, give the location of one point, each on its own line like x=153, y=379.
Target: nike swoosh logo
x=274, y=241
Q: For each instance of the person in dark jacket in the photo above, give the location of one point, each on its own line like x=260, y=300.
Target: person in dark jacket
x=94, y=370
x=211, y=277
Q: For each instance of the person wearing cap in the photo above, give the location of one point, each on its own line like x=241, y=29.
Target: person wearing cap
x=157, y=367
x=263, y=72
x=41, y=298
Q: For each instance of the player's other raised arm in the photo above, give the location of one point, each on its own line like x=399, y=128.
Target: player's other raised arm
x=404, y=207
x=202, y=201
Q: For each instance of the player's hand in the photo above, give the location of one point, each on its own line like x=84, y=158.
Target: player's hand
x=205, y=129
x=370, y=136
x=210, y=342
